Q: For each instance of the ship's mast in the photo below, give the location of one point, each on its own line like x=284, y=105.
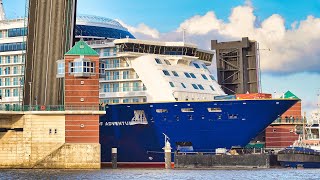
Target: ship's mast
x=2, y=13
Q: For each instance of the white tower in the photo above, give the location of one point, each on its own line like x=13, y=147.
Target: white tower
x=2, y=13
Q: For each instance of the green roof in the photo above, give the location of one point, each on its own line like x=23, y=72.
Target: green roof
x=255, y=145
x=82, y=48
x=289, y=95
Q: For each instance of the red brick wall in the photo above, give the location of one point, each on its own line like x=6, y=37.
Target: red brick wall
x=280, y=136
x=82, y=128
x=294, y=111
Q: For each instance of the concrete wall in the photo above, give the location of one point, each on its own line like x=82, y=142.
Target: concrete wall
x=41, y=144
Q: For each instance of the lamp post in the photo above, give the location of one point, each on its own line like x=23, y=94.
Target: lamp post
x=20, y=93
x=30, y=100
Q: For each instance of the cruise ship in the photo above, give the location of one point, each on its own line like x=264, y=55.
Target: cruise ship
x=153, y=89
x=149, y=88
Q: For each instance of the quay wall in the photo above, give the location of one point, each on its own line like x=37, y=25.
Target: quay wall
x=38, y=141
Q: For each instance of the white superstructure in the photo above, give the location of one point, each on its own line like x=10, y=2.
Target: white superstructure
x=133, y=70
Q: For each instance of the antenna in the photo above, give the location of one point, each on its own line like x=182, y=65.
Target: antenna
x=2, y=13
x=183, y=34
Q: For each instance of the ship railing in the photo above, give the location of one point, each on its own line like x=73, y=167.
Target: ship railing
x=9, y=107
x=290, y=121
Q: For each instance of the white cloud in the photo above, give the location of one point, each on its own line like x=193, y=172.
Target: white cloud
x=141, y=29
x=292, y=50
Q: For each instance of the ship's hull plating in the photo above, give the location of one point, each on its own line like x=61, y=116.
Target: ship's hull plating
x=235, y=125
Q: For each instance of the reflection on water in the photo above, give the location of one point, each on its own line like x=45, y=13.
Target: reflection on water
x=113, y=174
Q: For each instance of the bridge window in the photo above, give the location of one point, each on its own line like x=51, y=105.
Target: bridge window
x=233, y=116
x=211, y=88
x=204, y=76
x=162, y=110
x=158, y=61
x=194, y=86
x=187, y=110
x=200, y=87
x=196, y=65
x=192, y=75
x=175, y=73
x=171, y=84
x=165, y=72
x=187, y=75
x=214, y=110
x=184, y=86
x=167, y=62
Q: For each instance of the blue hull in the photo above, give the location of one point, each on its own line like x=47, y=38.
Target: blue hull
x=228, y=123
x=300, y=164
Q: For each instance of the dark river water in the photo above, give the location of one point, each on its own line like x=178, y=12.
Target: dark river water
x=286, y=174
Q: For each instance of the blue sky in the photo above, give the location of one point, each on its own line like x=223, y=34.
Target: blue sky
x=286, y=68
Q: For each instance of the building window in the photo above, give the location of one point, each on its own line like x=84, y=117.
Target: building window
x=167, y=62
x=187, y=75
x=125, y=87
x=23, y=58
x=204, y=76
x=7, y=81
x=211, y=88
x=125, y=75
x=115, y=100
x=15, y=70
x=171, y=84
x=175, y=73
x=15, y=93
x=212, y=78
x=82, y=67
x=200, y=87
x=106, y=52
x=136, y=86
x=7, y=93
x=0, y=70
x=22, y=69
x=7, y=71
x=196, y=65
x=184, y=86
x=15, y=59
x=116, y=75
x=116, y=63
x=165, y=72
x=135, y=100
x=125, y=100
x=15, y=81
x=116, y=87
x=8, y=60
x=108, y=75
x=106, y=88
x=0, y=59
x=102, y=69
x=192, y=75
x=194, y=86
x=158, y=61
x=98, y=51
x=60, y=68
